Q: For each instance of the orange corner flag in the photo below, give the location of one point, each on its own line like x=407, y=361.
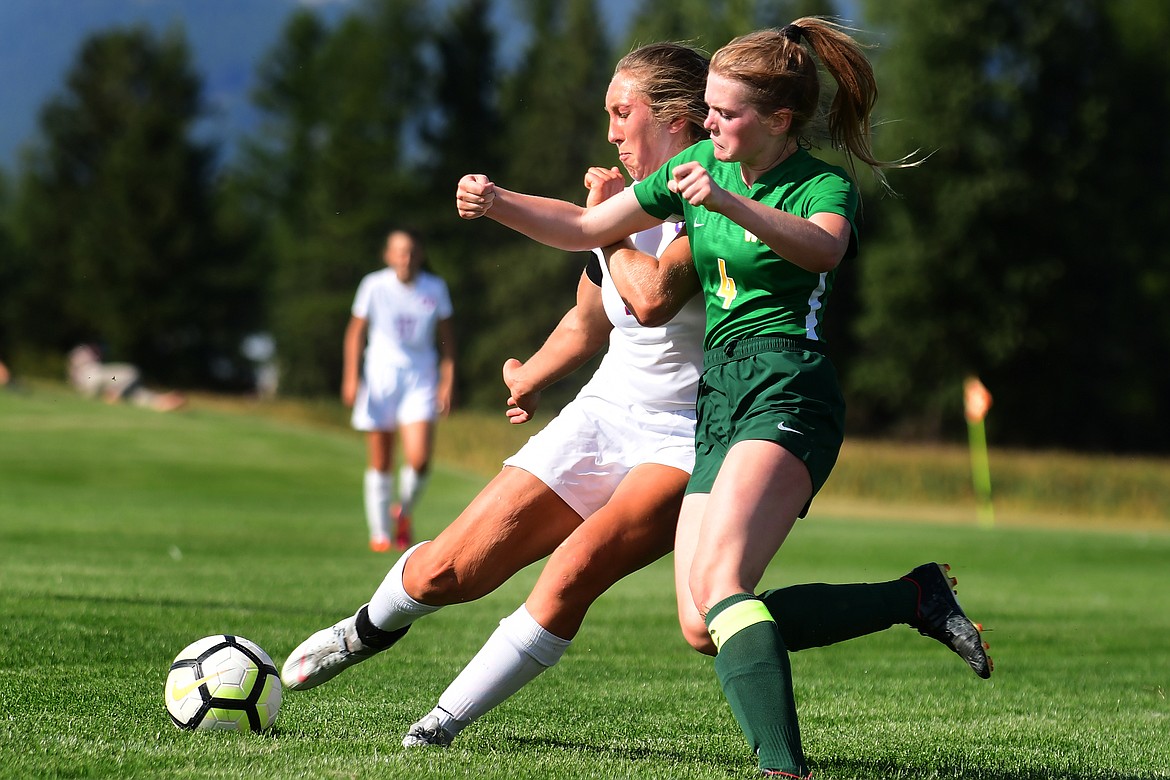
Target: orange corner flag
x=976, y=399
x=976, y=402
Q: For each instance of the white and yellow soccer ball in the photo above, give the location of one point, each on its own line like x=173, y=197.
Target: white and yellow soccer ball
x=223, y=682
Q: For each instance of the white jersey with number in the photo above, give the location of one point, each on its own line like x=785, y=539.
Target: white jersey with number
x=402, y=316
x=639, y=406
x=400, y=372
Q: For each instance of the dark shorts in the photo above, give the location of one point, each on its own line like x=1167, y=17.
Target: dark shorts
x=782, y=390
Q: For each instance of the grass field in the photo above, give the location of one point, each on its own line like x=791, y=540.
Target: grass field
x=125, y=535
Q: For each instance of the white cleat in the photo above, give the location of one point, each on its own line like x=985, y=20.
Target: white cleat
x=324, y=655
x=427, y=733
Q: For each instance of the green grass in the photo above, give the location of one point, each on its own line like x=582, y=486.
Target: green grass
x=125, y=535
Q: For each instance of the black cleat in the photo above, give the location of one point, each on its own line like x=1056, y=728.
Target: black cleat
x=940, y=616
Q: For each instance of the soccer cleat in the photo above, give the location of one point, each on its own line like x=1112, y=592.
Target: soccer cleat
x=781, y=773
x=940, y=617
x=427, y=733
x=380, y=545
x=324, y=655
x=402, y=534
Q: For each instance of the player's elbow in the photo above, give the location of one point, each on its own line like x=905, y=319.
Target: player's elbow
x=823, y=264
x=825, y=256
x=651, y=311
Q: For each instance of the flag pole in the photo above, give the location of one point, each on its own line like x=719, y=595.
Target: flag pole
x=976, y=402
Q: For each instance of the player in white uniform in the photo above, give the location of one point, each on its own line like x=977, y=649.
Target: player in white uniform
x=599, y=489
x=398, y=314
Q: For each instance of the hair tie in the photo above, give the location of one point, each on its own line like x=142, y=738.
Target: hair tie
x=792, y=32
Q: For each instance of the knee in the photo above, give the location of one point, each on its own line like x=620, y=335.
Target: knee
x=702, y=592
x=694, y=627
x=573, y=574
x=694, y=631
x=433, y=576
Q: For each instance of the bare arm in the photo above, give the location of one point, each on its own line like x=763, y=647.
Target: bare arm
x=816, y=244
x=355, y=342
x=581, y=334
x=556, y=223
x=654, y=288
x=445, y=330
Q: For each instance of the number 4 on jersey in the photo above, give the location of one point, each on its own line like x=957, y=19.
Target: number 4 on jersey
x=727, y=288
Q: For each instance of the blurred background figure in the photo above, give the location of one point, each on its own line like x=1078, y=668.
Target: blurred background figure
x=115, y=382
x=260, y=349
x=401, y=319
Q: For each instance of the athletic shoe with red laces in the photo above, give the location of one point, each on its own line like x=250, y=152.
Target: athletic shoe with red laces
x=941, y=618
x=402, y=534
x=324, y=655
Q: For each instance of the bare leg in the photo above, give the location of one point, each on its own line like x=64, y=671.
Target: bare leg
x=418, y=441
x=380, y=450
x=753, y=505
x=378, y=485
x=633, y=530
x=514, y=521
x=686, y=541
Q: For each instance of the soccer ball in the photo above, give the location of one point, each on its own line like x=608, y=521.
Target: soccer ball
x=223, y=682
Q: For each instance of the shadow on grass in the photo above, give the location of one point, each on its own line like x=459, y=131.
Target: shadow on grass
x=937, y=771
x=234, y=605
x=688, y=758
x=829, y=769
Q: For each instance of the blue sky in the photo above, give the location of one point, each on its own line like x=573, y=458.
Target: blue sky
x=39, y=39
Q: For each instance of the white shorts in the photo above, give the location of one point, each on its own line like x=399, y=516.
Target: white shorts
x=586, y=450
x=390, y=396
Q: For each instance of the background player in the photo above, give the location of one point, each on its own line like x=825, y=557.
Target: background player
x=404, y=382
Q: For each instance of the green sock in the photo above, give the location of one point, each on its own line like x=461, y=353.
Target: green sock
x=753, y=669
x=816, y=615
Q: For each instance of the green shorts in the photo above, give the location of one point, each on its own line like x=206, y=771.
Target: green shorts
x=777, y=389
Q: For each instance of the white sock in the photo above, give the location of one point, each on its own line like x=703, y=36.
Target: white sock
x=514, y=655
x=377, y=487
x=391, y=607
x=410, y=487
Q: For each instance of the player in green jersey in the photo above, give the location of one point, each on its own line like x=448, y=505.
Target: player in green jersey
x=768, y=225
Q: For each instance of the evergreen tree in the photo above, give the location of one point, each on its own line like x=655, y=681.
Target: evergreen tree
x=115, y=217
x=338, y=104
x=709, y=24
x=464, y=134
x=11, y=271
x=556, y=129
x=555, y=99
x=1015, y=253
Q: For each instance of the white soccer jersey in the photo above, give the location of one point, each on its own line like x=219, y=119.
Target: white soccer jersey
x=656, y=369
x=639, y=407
x=401, y=317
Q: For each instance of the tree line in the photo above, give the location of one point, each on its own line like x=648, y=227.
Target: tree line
x=1024, y=250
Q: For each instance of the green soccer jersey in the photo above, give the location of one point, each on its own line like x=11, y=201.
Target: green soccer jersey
x=750, y=290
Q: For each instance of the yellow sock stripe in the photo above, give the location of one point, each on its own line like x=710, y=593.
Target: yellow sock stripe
x=736, y=618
